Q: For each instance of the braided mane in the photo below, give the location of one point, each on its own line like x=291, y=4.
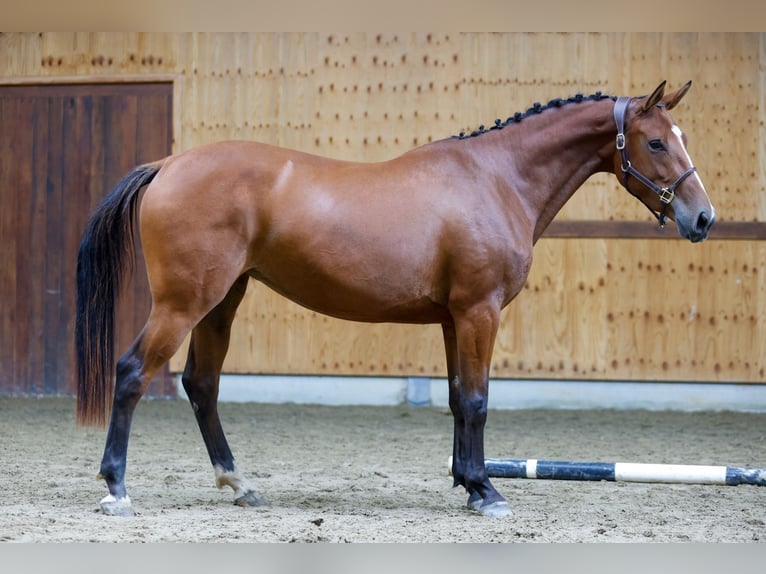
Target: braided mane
x=536, y=108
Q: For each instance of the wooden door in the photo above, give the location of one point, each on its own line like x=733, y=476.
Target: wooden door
x=62, y=148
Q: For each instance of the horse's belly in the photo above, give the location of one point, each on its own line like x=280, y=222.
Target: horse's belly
x=351, y=301
x=373, y=284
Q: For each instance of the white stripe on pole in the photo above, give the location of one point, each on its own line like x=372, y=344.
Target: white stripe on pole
x=532, y=468
x=637, y=472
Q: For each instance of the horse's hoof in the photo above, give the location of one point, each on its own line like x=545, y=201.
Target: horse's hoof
x=250, y=498
x=112, y=506
x=497, y=509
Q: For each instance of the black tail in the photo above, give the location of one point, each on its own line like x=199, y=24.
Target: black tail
x=106, y=252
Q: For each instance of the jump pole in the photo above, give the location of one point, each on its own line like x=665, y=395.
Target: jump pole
x=622, y=471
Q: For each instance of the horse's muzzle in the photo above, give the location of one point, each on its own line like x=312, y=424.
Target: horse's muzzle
x=701, y=227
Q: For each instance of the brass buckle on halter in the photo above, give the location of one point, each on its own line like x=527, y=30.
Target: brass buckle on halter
x=666, y=195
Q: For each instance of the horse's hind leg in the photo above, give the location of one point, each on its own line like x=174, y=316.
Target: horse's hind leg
x=162, y=335
x=209, y=343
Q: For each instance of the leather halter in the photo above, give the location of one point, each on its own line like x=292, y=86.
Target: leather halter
x=666, y=194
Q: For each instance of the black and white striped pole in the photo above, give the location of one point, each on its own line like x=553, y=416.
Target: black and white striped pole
x=622, y=471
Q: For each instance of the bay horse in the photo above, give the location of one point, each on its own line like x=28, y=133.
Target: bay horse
x=441, y=234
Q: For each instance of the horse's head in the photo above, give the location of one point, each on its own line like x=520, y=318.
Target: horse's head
x=652, y=162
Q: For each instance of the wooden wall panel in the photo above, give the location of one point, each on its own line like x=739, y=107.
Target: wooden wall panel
x=63, y=147
x=613, y=309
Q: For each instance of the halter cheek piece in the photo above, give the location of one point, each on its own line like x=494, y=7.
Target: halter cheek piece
x=666, y=193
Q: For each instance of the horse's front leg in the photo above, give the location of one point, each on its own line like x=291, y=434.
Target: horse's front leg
x=450, y=348
x=475, y=330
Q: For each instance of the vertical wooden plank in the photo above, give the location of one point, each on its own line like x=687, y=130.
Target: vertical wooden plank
x=26, y=290
x=760, y=93
x=54, y=238
x=77, y=181
x=97, y=159
x=38, y=247
x=72, y=182
x=9, y=109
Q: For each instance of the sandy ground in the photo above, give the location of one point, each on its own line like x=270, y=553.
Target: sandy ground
x=369, y=474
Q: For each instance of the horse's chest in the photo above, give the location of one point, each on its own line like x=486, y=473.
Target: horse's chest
x=517, y=269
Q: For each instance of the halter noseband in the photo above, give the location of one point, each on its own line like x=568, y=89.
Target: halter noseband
x=666, y=194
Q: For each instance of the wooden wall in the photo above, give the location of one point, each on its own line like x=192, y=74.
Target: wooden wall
x=643, y=308
x=61, y=147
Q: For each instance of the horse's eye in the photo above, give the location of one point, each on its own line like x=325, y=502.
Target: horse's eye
x=656, y=145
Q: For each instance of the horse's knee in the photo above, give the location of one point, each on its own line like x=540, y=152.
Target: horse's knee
x=474, y=409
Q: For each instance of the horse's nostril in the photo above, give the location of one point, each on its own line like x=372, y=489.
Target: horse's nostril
x=703, y=222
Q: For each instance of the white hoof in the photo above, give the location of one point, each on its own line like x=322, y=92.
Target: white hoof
x=112, y=506
x=497, y=509
x=249, y=498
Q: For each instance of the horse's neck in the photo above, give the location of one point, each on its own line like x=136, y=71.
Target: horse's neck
x=554, y=153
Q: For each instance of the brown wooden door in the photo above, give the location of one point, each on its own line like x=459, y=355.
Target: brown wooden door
x=62, y=148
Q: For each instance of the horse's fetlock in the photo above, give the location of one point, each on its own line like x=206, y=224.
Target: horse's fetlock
x=476, y=477
x=108, y=472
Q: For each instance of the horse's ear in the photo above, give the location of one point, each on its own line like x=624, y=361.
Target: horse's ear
x=671, y=100
x=655, y=98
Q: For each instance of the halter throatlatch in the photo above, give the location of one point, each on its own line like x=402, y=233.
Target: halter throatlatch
x=666, y=194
